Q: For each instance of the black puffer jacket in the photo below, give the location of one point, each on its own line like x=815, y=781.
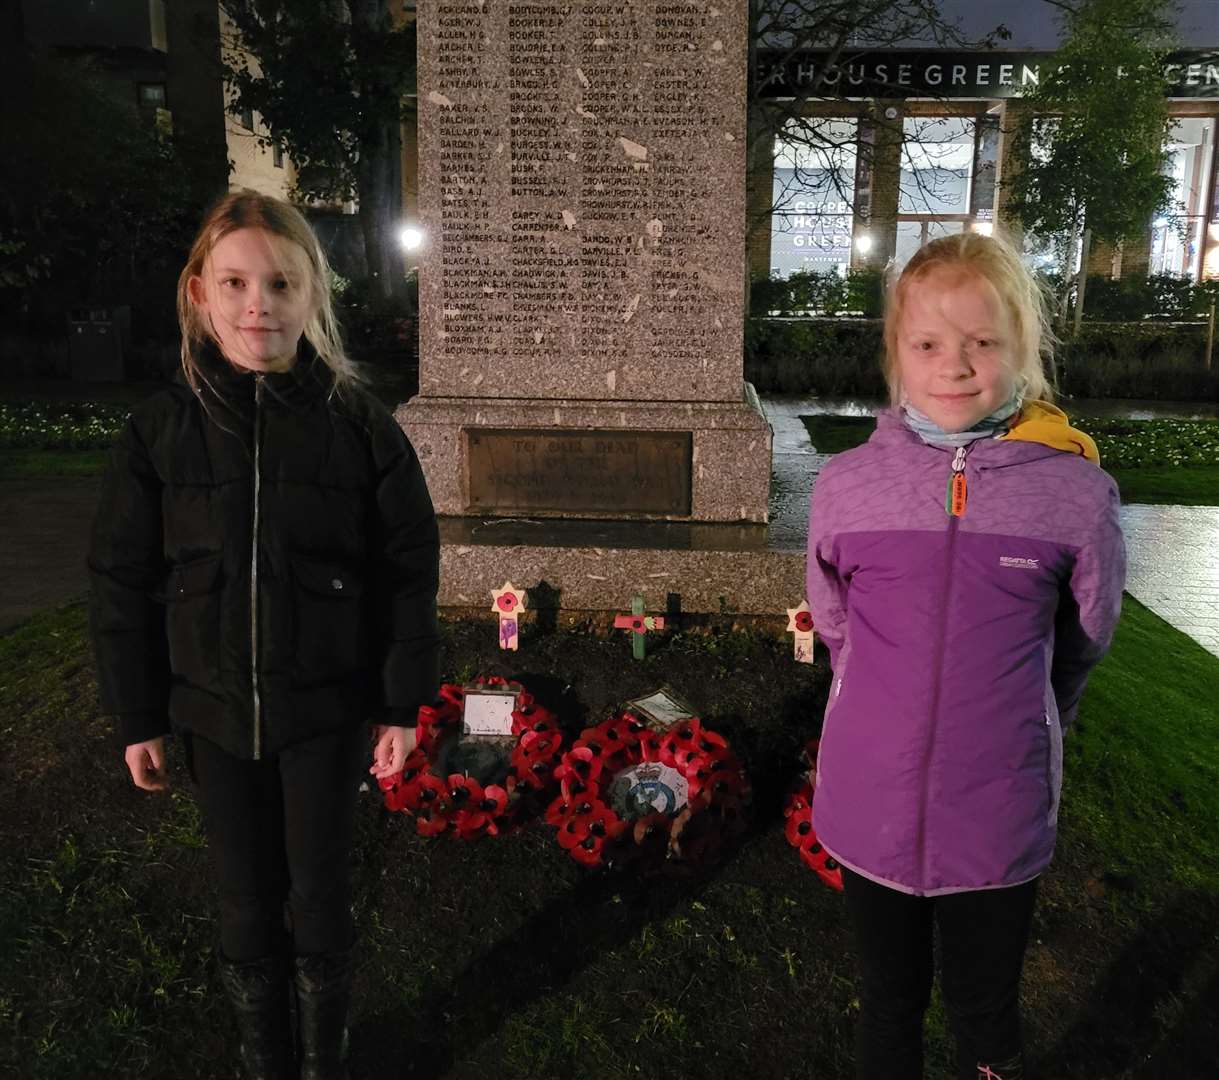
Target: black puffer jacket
x=333, y=624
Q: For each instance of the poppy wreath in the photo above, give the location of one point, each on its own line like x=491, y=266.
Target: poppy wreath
x=593, y=833
x=798, y=809
x=458, y=803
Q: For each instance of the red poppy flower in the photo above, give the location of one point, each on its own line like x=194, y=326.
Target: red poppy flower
x=431, y=822
x=649, y=746
x=495, y=800
x=588, y=852
x=573, y=831
x=804, y=621
x=425, y=792
x=559, y=811
x=617, y=734
x=396, y=798
x=471, y=824
x=578, y=765
x=539, y=745
x=506, y=602
x=799, y=801
x=799, y=827
x=464, y=791
x=453, y=695
x=416, y=763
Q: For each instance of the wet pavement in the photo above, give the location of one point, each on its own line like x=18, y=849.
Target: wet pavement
x=1173, y=550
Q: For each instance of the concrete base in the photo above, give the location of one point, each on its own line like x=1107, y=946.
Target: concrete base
x=730, y=478
x=598, y=566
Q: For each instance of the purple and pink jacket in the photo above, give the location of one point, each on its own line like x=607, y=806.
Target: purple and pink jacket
x=960, y=647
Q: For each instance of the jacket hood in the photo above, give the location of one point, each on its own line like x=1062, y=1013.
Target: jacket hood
x=1041, y=422
x=1041, y=430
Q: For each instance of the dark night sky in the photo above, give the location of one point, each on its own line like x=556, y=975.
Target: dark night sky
x=1034, y=26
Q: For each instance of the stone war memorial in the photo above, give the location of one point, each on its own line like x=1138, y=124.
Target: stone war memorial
x=582, y=415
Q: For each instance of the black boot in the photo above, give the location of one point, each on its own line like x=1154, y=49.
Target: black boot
x=258, y=990
x=323, y=992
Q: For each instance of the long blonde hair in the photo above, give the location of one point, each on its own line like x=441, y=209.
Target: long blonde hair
x=246, y=209
x=996, y=262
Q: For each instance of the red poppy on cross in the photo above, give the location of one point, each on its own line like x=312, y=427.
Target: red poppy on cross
x=800, y=623
x=639, y=624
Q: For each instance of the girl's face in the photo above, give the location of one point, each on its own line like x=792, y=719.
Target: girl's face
x=255, y=300
x=955, y=349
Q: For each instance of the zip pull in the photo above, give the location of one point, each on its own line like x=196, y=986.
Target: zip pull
x=958, y=493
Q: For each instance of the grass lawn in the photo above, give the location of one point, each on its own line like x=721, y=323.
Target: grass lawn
x=1187, y=484
x=504, y=958
x=34, y=464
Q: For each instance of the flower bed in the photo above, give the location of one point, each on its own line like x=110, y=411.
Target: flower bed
x=77, y=426
x=1132, y=444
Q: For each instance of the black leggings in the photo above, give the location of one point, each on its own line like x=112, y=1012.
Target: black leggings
x=280, y=829
x=983, y=935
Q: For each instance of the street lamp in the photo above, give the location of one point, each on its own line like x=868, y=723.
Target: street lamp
x=410, y=237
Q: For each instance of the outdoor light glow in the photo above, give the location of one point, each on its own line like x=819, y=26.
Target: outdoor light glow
x=863, y=243
x=1160, y=222
x=411, y=238
x=986, y=228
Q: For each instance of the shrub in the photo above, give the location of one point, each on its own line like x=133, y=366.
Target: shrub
x=807, y=292
x=841, y=357
x=838, y=357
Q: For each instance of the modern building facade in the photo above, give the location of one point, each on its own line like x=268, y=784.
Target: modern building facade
x=918, y=144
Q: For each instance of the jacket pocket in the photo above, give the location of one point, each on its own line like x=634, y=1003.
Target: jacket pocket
x=836, y=685
x=192, y=593
x=329, y=638
x=1053, y=766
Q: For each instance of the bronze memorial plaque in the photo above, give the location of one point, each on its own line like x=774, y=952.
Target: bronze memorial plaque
x=549, y=469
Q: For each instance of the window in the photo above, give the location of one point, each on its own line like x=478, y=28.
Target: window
x=937, y=165
x=1176, y=247
x=813, y=196
x=277, y=155
x=151, y=94
x=246, y=119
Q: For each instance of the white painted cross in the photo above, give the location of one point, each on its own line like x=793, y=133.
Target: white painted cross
x=800, y=623
x=508, y=601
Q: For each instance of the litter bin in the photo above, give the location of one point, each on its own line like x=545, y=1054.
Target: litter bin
x=96, y=339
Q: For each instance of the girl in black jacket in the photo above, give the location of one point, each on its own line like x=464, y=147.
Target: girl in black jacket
x=264, y=568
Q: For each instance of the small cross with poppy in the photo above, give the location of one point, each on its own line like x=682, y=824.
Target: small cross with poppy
x=800, y=623
x=639, y=624
x=508, y=601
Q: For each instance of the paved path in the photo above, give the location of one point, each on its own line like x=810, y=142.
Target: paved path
x=44, y=535
x=1173, y=550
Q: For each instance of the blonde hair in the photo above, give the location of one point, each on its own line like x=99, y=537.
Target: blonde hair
x=998, y=264
x=246, y=209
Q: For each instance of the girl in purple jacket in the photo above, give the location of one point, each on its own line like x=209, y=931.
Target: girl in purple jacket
x=965, y=570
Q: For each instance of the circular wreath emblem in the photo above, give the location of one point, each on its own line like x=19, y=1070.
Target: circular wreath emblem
x=441, y=801
x=627, y=792
x=799, y=831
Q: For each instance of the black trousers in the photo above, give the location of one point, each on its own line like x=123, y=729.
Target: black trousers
x=280, y=830
x=983, y=936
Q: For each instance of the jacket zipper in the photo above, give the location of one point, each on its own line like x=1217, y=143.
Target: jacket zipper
x=955, y=507
x=254, y=570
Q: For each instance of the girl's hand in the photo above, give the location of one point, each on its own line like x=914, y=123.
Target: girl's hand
x=146, y=763
x=391, y=747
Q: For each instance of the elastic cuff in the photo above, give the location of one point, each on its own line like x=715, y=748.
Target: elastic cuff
x=140, y=727
x=399, y=717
